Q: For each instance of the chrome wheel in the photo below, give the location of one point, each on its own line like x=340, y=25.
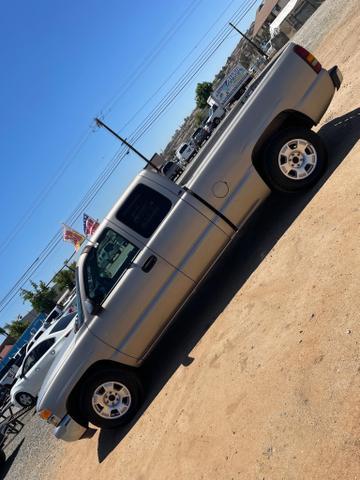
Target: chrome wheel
x=111, y=400
x=297, y=159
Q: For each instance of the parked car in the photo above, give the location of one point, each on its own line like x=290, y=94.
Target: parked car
x=159, y=241
x=185, y=152
x=38, y=361
x=200, y=136
x=173, y=169
x=9, y=372
x=70, y=305
x=55, y=313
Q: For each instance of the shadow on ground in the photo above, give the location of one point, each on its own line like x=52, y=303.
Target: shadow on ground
x=4, y=469
x=241, y=259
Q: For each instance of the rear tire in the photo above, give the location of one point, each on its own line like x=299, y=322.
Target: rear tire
x=25, y=399
x=294, y=160
x=111, y=397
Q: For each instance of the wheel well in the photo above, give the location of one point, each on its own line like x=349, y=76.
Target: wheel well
x=73, y=404
x=289, y=118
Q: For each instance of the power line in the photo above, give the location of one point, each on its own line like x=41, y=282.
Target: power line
x=149, y=59
x=120, y=155
x=125, y=87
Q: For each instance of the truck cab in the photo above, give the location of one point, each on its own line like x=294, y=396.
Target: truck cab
x=216, y=114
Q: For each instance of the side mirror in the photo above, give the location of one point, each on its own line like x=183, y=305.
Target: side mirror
x=92, y=307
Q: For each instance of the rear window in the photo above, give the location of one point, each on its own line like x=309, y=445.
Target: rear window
x=144, y=210
x=183, y=148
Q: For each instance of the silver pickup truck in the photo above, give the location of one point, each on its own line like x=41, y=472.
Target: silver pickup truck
x=160, y=239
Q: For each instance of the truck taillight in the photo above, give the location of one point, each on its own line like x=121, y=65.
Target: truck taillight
x=308, y=57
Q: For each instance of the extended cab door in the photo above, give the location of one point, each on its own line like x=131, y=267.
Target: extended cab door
x=137, y=290
x=146, y=260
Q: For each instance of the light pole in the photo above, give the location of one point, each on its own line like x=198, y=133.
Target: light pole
x=250, y=41
x=100, y=123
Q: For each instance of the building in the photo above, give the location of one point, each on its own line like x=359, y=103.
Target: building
x=266, y=14
x=282, y=17
x=4, y=350
x=292, y=17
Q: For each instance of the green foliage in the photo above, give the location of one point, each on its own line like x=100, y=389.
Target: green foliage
x=202, y=93
x=66, y=278
x=16, y=328
x=41, y=297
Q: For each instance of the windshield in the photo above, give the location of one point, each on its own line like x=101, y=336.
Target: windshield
x=106, y=263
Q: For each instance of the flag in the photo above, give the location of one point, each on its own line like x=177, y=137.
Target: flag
x=71, y=235
x=90, y=225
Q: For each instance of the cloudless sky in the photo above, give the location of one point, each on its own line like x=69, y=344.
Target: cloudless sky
x=62, y=64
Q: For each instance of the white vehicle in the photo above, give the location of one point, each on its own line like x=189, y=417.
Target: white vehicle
x=185, y=152
x=216, y=114
x=231, y=87
x=55, y=313
x=38, y=361
x=70, y=305
x=9, y=372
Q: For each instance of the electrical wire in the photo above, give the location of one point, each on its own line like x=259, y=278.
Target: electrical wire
x=120, y=155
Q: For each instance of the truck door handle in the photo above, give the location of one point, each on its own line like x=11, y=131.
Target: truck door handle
x=148, y=265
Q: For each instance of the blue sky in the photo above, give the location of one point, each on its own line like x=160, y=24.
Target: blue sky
x=65, y=62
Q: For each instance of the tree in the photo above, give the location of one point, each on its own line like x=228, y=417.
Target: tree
x=202, y=92
x=16, y=328
x=41, y=297
x=66, y=278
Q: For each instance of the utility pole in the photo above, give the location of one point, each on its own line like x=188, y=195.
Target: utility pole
x=99, y=123
x=250, y=41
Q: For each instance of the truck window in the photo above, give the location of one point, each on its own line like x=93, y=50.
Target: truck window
x=106, y=263
x=144, y=210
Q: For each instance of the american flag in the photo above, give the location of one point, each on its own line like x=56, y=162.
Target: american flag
x=71, y=235
x=90, y=225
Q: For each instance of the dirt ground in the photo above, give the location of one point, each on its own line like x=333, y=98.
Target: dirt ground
x=260, y=377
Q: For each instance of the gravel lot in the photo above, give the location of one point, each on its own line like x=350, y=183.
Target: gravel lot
x=36, y=455
x=32, y=451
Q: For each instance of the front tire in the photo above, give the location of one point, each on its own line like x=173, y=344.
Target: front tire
x=25, y=399
x=294, y=160
x=111, y=397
